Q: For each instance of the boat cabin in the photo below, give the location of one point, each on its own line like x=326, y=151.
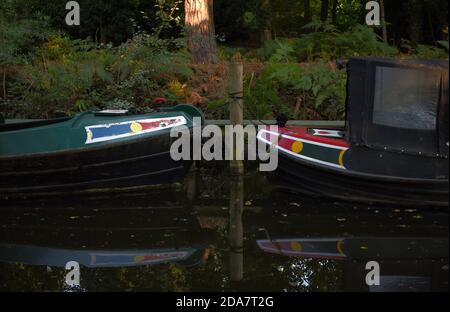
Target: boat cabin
x=397, y=118
x=398, y=105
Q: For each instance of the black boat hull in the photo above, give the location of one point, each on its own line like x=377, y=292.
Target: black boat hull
x=134, y=163
x=304, y=177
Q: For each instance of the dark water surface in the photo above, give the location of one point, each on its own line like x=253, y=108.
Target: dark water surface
x=220, y=233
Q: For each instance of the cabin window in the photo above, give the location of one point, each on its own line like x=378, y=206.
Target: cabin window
x=406, y=98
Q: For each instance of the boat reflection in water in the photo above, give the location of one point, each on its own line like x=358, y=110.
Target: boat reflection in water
x=113, y=238
x=228, y=234
x=411, y=247
x=35, y=255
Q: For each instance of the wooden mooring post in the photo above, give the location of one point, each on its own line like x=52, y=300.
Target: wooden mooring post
x=236, y=228
x=236, y=91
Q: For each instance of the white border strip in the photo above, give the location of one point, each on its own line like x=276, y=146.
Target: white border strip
x=89, y=139
x=112, y=257
x=306, y=240
x=329, y=134
x=260, y=138
x=298, y=253
x=305, y=141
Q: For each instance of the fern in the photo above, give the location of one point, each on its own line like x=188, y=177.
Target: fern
x=444, y=44
x=320, y=88
x=327, y=43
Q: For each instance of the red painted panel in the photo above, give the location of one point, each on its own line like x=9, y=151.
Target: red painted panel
x=301, y=132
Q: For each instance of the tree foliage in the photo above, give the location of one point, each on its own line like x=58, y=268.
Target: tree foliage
x=127, y=51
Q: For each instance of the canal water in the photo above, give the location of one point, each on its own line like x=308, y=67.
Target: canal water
x=219, y=232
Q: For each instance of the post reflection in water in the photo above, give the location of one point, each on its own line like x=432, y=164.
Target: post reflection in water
x=236, y=231
x=191, y=182
x=194, y=239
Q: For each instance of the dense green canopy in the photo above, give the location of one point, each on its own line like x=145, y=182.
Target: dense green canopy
x=126, y=52
x=420, y=21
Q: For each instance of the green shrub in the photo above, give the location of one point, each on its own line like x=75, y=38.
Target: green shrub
x=423, y=51
x=318, y=89
x=261, y=97
x=279, y=50
x=327, y=43
x=431, y=52
x=78, y=75
x=444, y=45
x=227, y=53
x=19, y=39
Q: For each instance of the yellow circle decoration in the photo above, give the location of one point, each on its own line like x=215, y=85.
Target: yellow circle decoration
x=297, y=147
x=136, y=127
x=89, y=135
x=139, y=258
x=296, y=246
x=340, y=247
x=341, y=158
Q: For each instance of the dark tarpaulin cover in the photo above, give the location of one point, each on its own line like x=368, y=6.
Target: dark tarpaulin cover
x=398, y=105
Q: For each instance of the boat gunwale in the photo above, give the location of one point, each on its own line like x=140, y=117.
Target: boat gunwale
x=385, y=200
x=365, y=176
x=89, y=148
x=93, y=165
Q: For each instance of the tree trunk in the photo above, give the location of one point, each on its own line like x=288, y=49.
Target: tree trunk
x=362, y=12
x=442, y=19
x=430, y=25
x=308, y=16
x=266, y=9
x=267, y=35
x=324, y=10
x=4, y=82
x=415, y=22
x=334, y=12
x=383, y=21
x=199, y=22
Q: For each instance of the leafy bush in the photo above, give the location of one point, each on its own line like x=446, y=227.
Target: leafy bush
x=19, y=39
x=423, y=51
x=77, y=75
x=279, y=50
x=430, y=52
x=444, y=45
x=327, y=43
x=261, y=97
x=110, y=21
x=227, y=53
x=302, y=91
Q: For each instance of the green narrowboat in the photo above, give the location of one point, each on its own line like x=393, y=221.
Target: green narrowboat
x=93, y=150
